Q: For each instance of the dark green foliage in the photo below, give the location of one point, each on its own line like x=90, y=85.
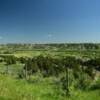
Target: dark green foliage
x=22, y=60
x=10, y=60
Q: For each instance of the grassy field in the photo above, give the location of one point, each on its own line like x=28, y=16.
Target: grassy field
x=80, y=53
x=14, y=89
x=89, y=95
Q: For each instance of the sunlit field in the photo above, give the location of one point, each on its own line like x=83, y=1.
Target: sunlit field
x=49, y=74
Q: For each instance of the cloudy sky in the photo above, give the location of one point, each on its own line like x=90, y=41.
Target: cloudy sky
x=41, y=21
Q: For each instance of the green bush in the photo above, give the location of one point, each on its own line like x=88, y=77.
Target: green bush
x=83, y=82
x=95, y=85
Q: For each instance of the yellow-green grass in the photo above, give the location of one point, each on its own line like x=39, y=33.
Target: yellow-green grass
x=86, y=95
x=15, y=89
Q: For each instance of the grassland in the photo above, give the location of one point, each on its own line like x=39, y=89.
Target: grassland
x=14, y=89
x=39, y=88
x=77, y=53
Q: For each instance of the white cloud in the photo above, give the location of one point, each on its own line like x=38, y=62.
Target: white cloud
x=49, y=35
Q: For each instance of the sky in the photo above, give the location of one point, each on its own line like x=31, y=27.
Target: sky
x=49, y=21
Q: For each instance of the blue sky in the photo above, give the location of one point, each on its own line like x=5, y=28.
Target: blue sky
x=42, y=21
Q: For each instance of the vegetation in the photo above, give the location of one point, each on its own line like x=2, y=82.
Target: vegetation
x=49, y=71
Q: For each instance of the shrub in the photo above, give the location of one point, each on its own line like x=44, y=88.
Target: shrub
x=95, y=85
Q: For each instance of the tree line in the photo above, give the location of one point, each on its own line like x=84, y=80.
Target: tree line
x=60, y=46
